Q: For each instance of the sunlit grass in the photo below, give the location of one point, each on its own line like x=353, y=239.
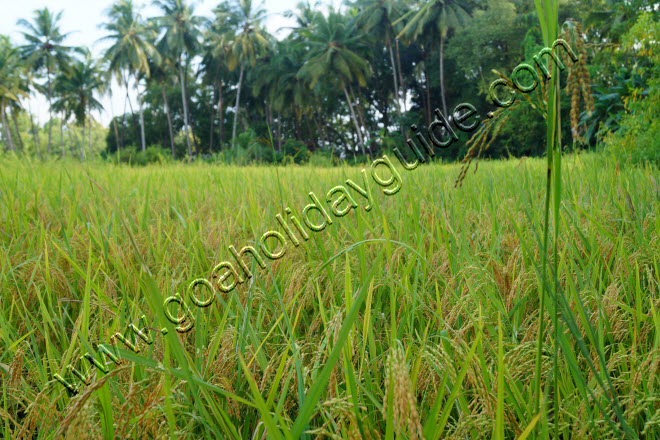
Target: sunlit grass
x=434, y=292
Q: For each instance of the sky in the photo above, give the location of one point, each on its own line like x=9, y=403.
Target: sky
x=81, y=18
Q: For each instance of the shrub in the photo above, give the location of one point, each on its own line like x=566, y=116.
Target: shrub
x=638, y=138
x=249, y=149
x=131, y=155
x=246, y=140
x=237, y=156
x=321, y=158
x=181, y=146
x=295, y=151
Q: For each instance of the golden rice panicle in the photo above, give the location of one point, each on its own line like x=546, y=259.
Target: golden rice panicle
x=404, y=405
x=16, y=368
x=83, y=424
x=578, y=79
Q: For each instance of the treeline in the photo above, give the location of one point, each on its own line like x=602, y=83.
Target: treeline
x=341, y=84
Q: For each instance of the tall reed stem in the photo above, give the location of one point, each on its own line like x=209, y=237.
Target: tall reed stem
x=548, y=14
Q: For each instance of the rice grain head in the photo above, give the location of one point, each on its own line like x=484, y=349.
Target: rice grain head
x=404, y=405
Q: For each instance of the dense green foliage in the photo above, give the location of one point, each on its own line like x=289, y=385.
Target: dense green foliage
x=520, y=303
x=347, y=83
x=638, y=136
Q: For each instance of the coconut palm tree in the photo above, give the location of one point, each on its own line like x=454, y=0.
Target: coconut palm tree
x=10, y=84
x=181, y=41
x=108, y=91
x=63, y=104
x=160, y=73
x=216, y=49
x=27, y=84
x=59, y=108
x=378, y=16
x=45, y=50
x=15, y=108
x=249, y=43
x=131, y=48
x=214, y=72
x=305, y=16
x=78, y=90
x=276, y=81
x=333, y=53
x=433, y=20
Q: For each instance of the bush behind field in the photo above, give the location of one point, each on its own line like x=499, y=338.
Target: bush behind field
x=637, y=139
x=131, y=155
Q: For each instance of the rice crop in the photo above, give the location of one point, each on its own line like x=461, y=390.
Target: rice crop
x=417, y=319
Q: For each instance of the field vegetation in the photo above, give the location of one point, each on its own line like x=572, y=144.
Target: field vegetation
x=508, y=299
x=418, y=318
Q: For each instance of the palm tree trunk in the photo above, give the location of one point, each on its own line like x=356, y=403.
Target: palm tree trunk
x=360, y=113
x=269, y=118
x=310, y=132
x=143, y=139
x=123, y=122
x=82, y=147
x=296, y=123
x=89, y=134
x=355, y=121
x=238, y=103
x=122, y=132
x=3, y=136
x=428, y=96
x=114, y=125
x=278, y=135
x=50, y=113
x=194, y=138
x=402, y=84
x=35, y=133
x=35, y=136
x=298, y=111
x=213, y=116
x=10, y=143
x=323, y=131
x=185, y=106
x=73, y=151
x=360, y=107
x=18, y=132
x=169, y=119
x=79, y=147
x=38, y=145
x=62, y=136
x=245, y=122
x=327, y=138
x=221, y=117
x=396, y=80
x=442, y=75
x=130, y=105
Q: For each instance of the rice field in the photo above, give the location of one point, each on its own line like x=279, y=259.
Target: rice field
x=418, y=318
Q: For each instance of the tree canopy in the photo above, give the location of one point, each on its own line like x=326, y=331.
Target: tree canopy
x=339, y=84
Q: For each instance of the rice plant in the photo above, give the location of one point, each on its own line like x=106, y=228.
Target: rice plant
x=201, y=300
x=419, y=318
